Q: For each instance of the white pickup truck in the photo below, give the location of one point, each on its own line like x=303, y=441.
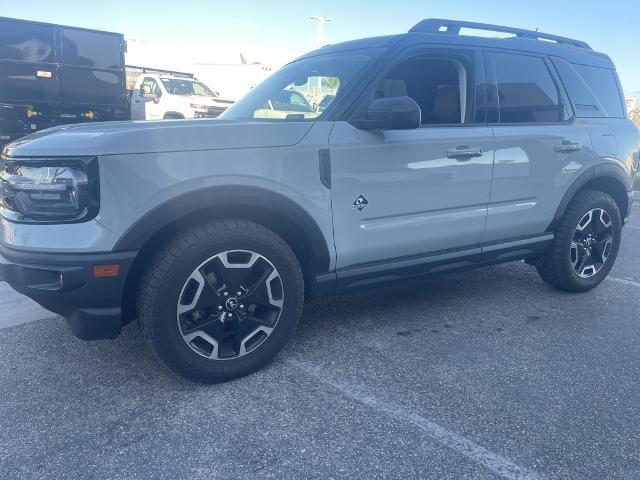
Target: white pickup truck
x=158, y=97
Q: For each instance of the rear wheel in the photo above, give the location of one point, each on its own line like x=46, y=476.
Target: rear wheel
x=221, y=300
x=586, y=243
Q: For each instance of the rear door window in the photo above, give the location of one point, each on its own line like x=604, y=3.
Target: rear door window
x=527, y=92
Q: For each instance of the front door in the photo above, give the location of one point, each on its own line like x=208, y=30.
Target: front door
x=145, y=102
x=413, y=192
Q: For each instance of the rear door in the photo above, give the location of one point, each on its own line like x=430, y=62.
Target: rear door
x=402, y=193
x=540, y=149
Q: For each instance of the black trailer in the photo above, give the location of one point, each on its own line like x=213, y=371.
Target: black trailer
x=53, y=74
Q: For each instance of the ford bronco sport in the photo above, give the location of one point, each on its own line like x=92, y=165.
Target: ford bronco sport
x=435, y=151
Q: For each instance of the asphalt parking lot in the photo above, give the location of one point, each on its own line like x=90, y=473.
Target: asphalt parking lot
x=483, y=374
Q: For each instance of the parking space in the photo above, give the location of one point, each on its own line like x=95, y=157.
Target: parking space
x=482, y=374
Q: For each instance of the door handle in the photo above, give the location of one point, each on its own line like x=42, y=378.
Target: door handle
x=463, y=153
x=567, y=147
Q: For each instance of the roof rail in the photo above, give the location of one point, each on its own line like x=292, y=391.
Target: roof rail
x=159, y=71
x=452, y=27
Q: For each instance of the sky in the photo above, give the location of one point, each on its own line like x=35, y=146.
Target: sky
x=276, y=31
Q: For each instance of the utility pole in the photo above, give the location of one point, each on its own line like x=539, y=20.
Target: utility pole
x=320, y=32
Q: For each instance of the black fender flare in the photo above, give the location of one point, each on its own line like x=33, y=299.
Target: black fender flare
x=171, y=211
x=604, y=170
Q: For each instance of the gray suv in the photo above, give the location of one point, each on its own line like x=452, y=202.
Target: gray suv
x=433, y=151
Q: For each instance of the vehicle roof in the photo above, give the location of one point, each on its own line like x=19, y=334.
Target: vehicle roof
x=359, y=44
x=570, y=53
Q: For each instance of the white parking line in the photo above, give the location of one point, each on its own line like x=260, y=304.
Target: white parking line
x=498, y=464
x=16, y=309
x=624, y=281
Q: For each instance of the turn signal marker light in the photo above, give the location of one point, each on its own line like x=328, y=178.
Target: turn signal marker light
x=106, y=270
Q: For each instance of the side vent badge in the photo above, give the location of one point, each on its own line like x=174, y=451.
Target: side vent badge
x=360, y=203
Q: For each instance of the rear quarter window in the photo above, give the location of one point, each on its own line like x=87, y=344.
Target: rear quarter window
x=593, y=91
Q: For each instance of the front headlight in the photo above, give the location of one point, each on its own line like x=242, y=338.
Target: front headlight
x=49, y=190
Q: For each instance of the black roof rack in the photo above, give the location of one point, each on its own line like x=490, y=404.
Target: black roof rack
x=452, y=27
x=159, y=71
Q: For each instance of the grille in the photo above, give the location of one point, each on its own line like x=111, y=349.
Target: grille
x=215, y=112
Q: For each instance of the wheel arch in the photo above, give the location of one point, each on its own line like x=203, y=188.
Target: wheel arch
x=272, y=210
x=606, y=177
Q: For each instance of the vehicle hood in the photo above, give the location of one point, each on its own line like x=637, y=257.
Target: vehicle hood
x=117, y=138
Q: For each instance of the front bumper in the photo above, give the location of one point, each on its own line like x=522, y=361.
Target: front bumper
x=65, y=284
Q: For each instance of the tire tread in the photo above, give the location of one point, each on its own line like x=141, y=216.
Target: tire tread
x=553, y=267
x=164, y=262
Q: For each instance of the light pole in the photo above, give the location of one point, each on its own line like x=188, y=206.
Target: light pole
x=320, y=32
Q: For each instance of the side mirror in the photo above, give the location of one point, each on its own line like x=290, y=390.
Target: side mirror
x=391, y=113
x=156, y=98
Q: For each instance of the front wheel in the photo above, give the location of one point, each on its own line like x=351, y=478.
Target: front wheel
x=586, y=243
x=221, y=300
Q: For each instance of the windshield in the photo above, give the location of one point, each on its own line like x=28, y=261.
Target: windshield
x=326, y=101
x=302, y=90
x=187, y=87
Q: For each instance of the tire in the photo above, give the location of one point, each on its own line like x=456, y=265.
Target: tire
x=196, y=268
x=173, y=116
x=560, y=266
